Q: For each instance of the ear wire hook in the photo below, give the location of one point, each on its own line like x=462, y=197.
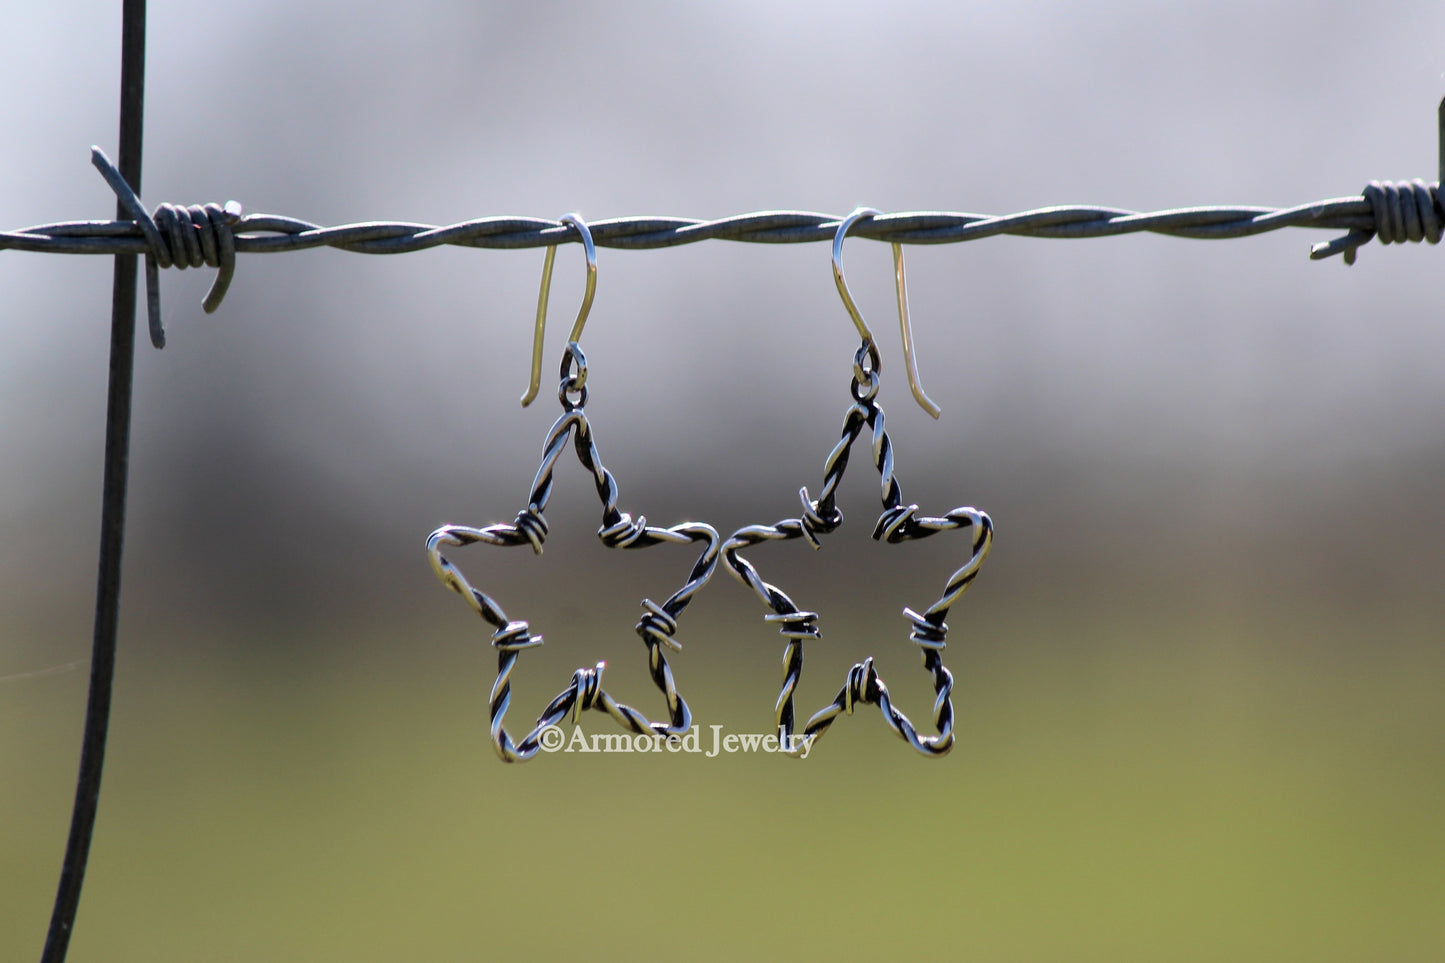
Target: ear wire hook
x=541, y=329
x=904, y=326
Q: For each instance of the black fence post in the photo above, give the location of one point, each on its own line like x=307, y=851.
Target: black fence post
x=112, y=512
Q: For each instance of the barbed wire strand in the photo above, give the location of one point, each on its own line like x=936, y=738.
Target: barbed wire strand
x=212, y=234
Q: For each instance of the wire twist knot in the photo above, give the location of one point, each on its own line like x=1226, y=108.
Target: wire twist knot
x=514, y=637
x=623, y=532
x=862, y=685
x=796, y=625
x=896, y=524
x=533, y=526
x=1405, y=211
x=657, y=626
x=588, y=683
x=813, y=522
x=200, y=234
x=926, y=633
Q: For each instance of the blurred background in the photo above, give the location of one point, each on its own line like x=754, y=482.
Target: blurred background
x=1199, y=679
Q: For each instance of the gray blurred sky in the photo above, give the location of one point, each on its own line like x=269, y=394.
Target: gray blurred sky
x=1191, y=399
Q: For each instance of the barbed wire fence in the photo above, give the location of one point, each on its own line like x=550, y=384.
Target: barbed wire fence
x=213, y=234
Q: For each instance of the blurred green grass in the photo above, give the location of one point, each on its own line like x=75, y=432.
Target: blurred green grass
x=1124, y=788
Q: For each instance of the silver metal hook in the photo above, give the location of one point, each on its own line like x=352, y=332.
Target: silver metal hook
x=904, y=326
x=541, y=329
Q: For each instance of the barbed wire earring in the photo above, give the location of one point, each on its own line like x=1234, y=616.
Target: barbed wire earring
x=898, y=523
x=658, y=625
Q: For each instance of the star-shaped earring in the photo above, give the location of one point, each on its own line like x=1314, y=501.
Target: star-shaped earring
x=897, y=523
x=658, y=624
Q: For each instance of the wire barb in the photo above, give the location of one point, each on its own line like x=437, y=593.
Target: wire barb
x=1402, y=211
x=176, y=236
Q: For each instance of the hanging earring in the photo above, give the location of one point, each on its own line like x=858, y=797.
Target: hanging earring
x=897, y=523
x=658, y=624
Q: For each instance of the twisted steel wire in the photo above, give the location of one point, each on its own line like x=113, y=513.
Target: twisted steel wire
x=761, y=227
x=190, y=236
x=658, y=624
x=1401, y=211
x=897, y=523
